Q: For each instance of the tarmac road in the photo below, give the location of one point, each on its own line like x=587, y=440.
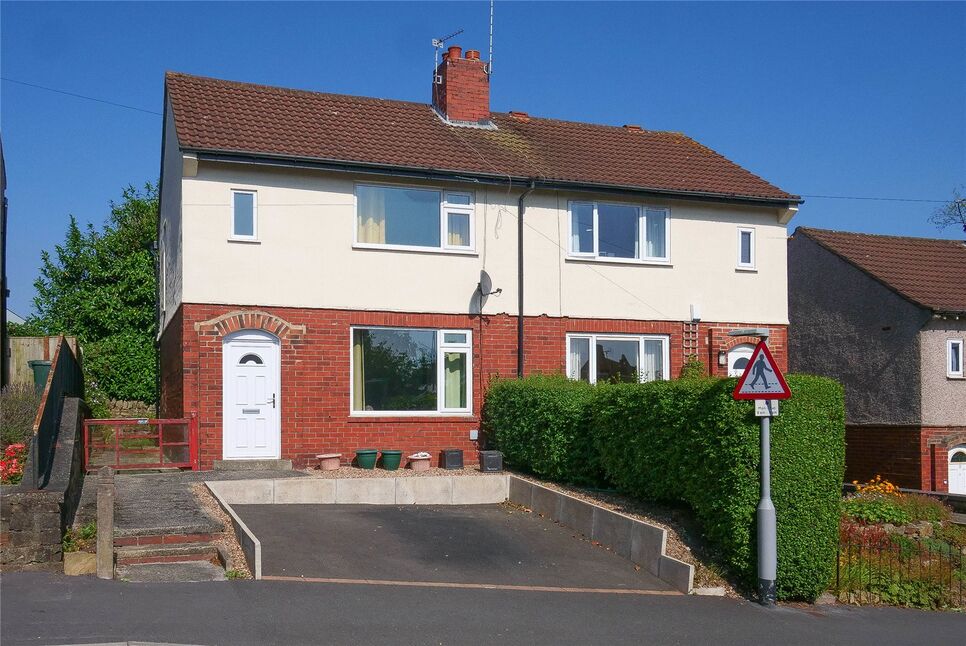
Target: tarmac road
x=37, y=608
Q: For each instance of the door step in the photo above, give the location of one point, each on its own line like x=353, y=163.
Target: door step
x=172, y=572
x=196, y=561
x=252, y=465
x=150, y=554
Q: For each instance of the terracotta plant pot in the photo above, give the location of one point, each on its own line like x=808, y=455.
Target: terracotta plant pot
x=419, y=462
x=329, y=461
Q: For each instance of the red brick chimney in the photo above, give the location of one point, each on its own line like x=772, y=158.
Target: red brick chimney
x=461, y=87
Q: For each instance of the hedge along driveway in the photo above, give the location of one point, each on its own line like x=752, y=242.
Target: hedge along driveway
x=687, y=440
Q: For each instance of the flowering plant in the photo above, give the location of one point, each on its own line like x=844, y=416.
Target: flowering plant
x=877, y=485
x=12, y=463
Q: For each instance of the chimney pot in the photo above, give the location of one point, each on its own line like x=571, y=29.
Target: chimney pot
x=454, y=52
x=472, y=55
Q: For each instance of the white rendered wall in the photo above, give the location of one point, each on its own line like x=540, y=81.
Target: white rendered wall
x=304, y=256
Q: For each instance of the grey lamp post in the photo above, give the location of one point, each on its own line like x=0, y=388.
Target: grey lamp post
x=767, y=526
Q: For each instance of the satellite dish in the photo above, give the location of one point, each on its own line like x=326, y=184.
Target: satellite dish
x=486, y=283
x=485, y=287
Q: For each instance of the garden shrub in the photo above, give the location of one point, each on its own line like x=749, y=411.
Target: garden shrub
x=920, y=507
x=687, y=440
x=18, y=408
x=540, y=425
x=876, y=509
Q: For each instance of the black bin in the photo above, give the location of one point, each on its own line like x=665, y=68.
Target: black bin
x=491, y=461
x=451, y=459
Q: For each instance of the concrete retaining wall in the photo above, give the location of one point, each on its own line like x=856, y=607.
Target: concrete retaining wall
x=436, y=490
x=633, y=539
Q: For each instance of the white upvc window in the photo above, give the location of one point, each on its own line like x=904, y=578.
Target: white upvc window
x=746, y=248
x=617, y=357
x=619, y=232
x=410, y=371
x=244, y=215
x=398, y=217
x=954, y=358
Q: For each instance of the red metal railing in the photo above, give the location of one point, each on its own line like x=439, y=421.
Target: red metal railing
x=141, y=443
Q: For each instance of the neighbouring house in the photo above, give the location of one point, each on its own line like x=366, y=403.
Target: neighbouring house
x=339, y=272
x=886, y=316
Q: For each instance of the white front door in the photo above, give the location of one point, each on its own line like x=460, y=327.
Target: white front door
x=251, y=396
x=957, y=470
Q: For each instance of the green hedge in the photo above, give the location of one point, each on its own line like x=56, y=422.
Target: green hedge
x=688, y=440
x=540, y=423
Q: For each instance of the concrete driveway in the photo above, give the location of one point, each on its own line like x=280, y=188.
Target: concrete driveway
x=451, y=545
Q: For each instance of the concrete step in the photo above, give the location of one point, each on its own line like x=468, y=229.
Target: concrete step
x=172, y=572
x=252, y=465
x=149, y=554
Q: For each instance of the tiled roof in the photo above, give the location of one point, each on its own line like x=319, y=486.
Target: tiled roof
x=928, y=272
x=226, y=116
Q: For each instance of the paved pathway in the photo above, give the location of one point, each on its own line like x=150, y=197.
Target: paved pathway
x=47, y=609
x=162, y=503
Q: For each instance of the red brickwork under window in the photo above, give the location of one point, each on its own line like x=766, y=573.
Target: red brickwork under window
x=315, y=355
x=913, y=457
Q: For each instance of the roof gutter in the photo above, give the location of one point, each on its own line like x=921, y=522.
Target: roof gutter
x=291, y=161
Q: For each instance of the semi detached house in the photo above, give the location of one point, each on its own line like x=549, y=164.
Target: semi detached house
x=339, y=272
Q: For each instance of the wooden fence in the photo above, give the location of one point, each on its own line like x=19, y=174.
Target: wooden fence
x=21, y=349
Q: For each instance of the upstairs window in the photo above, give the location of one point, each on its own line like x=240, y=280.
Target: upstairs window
x=410, y=217
x=605, y=230
x=244, y=215
x=954, y=358
x=746, y=248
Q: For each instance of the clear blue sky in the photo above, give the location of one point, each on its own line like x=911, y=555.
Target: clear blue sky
x=821, y=99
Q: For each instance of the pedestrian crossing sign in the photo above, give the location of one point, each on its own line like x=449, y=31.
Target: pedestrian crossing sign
x=762, y=379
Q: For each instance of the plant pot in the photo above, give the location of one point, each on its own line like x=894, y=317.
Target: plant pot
x=419, y=463
x=366, y=458
x=329, y=461
x=391, y=459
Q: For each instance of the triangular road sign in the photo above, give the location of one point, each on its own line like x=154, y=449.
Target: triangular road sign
x=762, y=379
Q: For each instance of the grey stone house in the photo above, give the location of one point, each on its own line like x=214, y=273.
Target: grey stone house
x=886, y=316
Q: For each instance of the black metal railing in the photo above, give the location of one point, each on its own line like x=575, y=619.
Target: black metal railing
x=924, y=573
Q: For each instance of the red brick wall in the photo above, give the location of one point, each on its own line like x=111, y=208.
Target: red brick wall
x=171, y=401
x=890, y=451
x=909, y=456
x=315, y=352
x=934, y=448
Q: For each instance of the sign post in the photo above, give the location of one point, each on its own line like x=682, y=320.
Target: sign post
x=763, y=382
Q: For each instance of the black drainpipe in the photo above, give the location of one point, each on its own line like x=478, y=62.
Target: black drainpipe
x=520, y=212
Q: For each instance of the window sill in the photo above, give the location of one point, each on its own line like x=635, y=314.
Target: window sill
x=956, y=377
x=747, y=270
x=619, y=261
x=244, y=241
x=402, y=417
x=431, y=250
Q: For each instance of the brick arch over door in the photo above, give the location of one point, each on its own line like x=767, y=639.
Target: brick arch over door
x=251, y=320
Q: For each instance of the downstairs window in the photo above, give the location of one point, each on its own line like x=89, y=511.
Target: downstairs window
x=612, y=358
x=411, y=371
